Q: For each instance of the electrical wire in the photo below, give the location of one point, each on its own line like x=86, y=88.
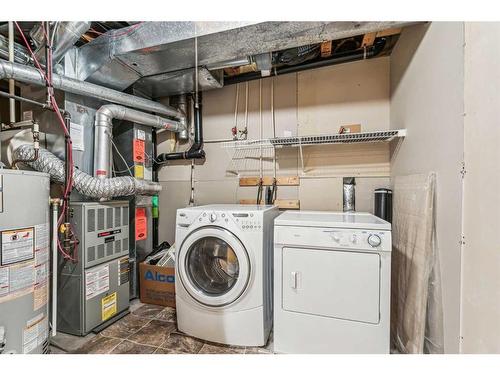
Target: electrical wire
x=129, y=30
x=69, y=182
x=245, y=132
x=120, y=155
x=236, y=102
x=273, y=120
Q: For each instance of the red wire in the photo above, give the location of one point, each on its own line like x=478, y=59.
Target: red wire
x=69, y=181
x=128, y=31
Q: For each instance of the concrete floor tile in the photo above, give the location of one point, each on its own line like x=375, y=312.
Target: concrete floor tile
x=182, y=344
x=125, y=327
x=128, y=347
x=212, y=348
x=167, y=314
x=154, y=333
x=99, y=345
x=148, y=311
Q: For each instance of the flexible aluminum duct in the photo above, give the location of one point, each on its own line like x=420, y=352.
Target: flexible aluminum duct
x=104, y=128
x=31, y=75
x=85, y=184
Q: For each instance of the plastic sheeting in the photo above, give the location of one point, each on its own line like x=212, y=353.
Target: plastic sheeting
x=85, y=184
x=416, y=311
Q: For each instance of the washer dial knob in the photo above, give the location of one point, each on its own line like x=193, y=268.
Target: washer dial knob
x=212, y=217
x=374, y=240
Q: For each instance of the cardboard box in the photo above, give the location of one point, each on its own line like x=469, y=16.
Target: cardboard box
x=157, y=285
x=354, y=128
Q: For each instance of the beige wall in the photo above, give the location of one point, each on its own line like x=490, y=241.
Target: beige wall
x=311, y=102
x=427, y=99
x=481, y=256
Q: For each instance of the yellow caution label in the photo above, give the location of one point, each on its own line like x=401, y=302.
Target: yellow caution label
x=139, y=171
x=108, y=305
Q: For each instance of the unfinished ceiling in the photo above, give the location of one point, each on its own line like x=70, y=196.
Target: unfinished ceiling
x=158, y=58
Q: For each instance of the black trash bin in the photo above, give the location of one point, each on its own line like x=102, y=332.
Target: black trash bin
x=383, y=204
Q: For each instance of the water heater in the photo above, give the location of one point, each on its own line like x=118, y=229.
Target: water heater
x=24, y=261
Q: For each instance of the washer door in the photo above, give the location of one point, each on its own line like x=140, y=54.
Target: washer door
x=213, y=266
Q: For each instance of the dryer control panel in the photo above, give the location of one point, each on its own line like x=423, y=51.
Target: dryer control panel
x=335, y=238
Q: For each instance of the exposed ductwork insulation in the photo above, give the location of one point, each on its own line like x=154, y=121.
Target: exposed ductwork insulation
x=85, y=184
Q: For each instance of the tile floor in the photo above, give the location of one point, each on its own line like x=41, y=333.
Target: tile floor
x=148, y=329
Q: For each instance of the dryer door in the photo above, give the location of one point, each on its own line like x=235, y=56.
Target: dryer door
x=213, y=266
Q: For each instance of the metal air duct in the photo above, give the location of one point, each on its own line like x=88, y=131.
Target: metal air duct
x=66, y=35
x=31, y=75
x=103, y=132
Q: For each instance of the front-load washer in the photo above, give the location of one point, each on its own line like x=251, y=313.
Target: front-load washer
x=224, y=273
x=332, y=277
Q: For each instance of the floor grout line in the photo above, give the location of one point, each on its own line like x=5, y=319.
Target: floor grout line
x=116, y=346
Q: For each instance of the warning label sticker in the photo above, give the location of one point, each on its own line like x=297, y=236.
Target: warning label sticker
x=123, y=271
x=17, y=245
x=138, y=150
x=108, y=305
x=42, y=236
x=4, y=281
x=21, y=277
x=41, y=273
x=139, y=171
x=41, y=256
x=96, y=281
x=40, y=296
x=35, y=333
x=141, y=224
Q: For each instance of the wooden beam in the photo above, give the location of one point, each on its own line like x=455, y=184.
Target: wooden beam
x=389, y=32
x=326, y=48
x=268, y=181
x=368, y=39
x=284, y=204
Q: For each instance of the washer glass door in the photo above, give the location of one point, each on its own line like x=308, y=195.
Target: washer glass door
x=213, y=266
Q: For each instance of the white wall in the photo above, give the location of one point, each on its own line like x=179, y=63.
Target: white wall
x=481, y=256
x=311, y=102
x=427, y=99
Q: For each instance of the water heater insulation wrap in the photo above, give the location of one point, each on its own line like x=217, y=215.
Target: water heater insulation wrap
x=85, y=184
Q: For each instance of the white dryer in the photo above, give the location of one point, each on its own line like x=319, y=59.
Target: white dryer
x=332, y=283
x=224, y=273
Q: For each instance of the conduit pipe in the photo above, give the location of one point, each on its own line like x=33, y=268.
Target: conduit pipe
x=55, y=215
x=85, y=184
x=196, y=150
x=104, y=129
x=30, y=75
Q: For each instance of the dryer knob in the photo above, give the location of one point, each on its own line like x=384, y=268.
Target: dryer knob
x=374, y=240
x=213, y=217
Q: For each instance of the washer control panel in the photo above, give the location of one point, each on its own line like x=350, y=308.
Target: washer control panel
x=245, y=221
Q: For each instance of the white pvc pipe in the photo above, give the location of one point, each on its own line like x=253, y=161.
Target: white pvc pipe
x=55, y=214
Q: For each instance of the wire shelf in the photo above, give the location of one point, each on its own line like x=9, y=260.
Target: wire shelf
x=245, y=154
x=378, y=136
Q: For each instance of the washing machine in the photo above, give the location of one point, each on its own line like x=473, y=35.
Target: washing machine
x=224, y=273
x=332, y=282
